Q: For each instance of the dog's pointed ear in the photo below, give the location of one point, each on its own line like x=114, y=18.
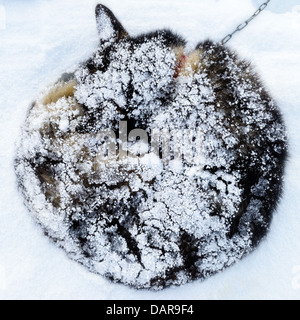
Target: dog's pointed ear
x=109, y=27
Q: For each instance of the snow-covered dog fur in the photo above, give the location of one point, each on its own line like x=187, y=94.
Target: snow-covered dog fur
x=145, y=222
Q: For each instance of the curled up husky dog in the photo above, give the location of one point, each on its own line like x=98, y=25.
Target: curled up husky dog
x=150, y=165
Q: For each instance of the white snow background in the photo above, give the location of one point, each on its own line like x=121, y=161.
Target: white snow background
x=40, y=39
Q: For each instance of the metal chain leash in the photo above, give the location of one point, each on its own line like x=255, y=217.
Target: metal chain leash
x=245, y=24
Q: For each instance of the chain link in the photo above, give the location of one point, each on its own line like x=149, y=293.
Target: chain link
x=243, y=25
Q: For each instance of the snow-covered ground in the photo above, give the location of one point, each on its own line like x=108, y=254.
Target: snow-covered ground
x=40, y=39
